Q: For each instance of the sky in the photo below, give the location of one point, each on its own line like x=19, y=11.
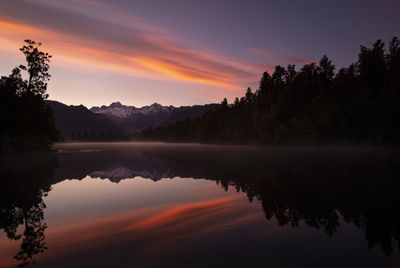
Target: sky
x=184, y=52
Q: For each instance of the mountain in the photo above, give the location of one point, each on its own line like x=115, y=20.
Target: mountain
x=74, y=121
x=77, y=119
x=116, y=109
x=131, y=119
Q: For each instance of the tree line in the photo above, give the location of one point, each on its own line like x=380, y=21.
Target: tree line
x=357, y=103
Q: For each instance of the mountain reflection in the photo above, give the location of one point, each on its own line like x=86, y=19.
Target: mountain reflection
x=311, y=186
x=24, y=183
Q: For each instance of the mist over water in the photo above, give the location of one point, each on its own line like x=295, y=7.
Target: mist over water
x=180, y=205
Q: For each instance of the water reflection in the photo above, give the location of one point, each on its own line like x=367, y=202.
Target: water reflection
x=293, y=184
x=24, y=183
x=315, y=187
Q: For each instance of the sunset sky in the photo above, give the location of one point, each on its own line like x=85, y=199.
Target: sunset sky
x=184, y=52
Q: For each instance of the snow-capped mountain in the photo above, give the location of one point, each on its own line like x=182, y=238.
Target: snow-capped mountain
x=75, y=121
x=123, y=111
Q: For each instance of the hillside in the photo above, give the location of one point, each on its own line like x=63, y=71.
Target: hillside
x=71, y=120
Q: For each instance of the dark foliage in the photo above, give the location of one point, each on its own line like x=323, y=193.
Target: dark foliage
x=27, y=122
x=358, y=103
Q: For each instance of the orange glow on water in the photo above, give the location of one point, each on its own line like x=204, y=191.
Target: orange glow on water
x=182, y=212
x=155, y=226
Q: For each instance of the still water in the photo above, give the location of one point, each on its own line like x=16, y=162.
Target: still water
x=185, y=205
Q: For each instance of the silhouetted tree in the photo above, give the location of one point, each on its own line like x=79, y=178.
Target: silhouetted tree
x=314, y=104
x=37, y=67
x=27, y=122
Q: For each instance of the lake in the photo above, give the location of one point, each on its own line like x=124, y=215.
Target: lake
x=189, y=205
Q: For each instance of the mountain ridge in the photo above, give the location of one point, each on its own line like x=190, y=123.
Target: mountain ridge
x=122, y=111
x=118, y=119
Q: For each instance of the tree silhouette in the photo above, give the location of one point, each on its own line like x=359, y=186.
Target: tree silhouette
x=27, y=122
x=37, y=67
x=360, y=103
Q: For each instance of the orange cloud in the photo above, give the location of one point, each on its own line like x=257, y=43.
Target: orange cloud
x=10, y=31
x=152, y=56
x=185, y=73
x=95, y=38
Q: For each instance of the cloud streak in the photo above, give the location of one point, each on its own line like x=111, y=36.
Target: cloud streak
x=91, y=42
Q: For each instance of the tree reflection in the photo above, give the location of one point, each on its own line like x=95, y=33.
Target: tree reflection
x=317, y=190
x=317, y=187
x=297, y=186
x=24, y=183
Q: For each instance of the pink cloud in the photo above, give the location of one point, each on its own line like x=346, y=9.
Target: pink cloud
x=132, y=50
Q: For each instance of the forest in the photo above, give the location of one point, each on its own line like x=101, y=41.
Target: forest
x=360, y=103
